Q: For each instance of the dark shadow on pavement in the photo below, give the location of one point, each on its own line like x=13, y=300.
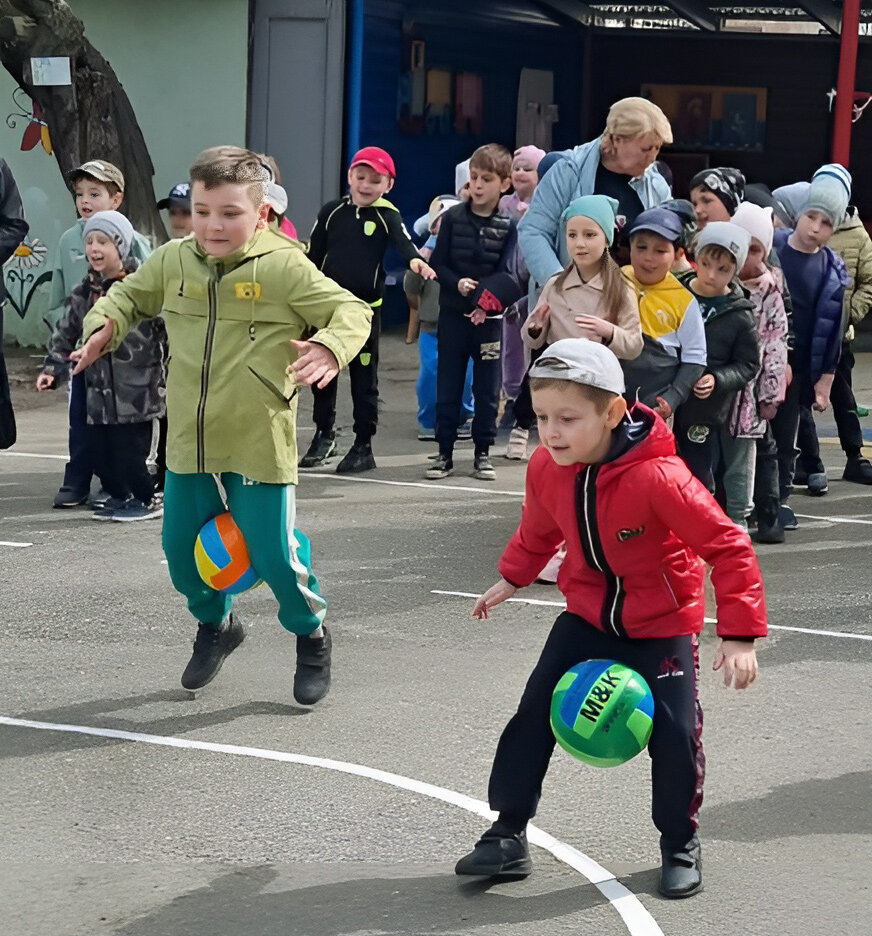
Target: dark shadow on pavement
x=235, y=903
x=96, y=714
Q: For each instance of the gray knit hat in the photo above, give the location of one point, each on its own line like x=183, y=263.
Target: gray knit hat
x=115, y=226
x=830, y=192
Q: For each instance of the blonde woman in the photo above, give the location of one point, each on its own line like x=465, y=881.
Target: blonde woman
x=619, y=163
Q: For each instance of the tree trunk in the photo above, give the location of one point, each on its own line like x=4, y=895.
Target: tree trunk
x=92, y=118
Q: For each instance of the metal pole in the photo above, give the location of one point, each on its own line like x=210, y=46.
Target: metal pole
x=847, y=76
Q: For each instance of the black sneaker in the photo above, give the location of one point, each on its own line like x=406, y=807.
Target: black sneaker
x=322, y=446
x=98, y=501
x=312, y=678
x=858, y=470
x=464, y=430
x=211, y=647
x=67, y=497
x=681, y=872
x=768, y=532
x=358, y=458
x=497, y=855
x=107, y=511
x=787, y=518
x=483, y=469
x=443, y=465
x=135, y=510
x=817, y=483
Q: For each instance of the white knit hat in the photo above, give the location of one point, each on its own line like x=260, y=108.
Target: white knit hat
x=757, y=222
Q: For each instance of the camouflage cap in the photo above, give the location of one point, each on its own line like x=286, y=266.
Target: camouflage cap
x=100, y=170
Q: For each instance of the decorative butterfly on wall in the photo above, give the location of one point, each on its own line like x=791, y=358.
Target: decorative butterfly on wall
x=36, y=130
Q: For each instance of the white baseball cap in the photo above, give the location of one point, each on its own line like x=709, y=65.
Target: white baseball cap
x=581, y=361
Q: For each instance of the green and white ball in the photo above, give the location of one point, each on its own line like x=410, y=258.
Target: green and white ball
x=602, y=712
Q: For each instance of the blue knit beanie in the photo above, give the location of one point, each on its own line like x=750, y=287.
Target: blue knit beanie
x=830, y=192
x=599, y=208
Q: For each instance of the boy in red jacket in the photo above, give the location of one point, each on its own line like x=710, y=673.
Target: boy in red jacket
x=635, y=522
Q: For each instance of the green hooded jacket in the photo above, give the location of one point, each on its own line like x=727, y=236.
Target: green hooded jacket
x=229, y=321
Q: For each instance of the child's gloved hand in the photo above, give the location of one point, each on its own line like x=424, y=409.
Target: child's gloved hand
x=738, y=659
x=316, y=364
x=45, y=382
x=495, y=595
x=95, y=347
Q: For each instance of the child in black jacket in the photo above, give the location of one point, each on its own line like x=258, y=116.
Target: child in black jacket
x=472, y=261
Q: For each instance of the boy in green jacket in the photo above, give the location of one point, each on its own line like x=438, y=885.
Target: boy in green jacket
x=236, y=298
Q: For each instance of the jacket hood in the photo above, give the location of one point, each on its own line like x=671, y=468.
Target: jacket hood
x=649, y=435
x=852, y=220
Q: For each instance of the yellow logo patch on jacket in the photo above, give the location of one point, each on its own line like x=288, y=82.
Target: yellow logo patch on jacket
x=248, y=291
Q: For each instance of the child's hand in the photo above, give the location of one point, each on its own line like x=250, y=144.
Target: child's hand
x=702, y=389
x=739, y=661
x=45, y=382
x=316, y=364
x=822, y=392
x=422, y=269
x=663, y=409
x=537, y=318
x=495, y=595
x=595, y=329
x=767, y=411
x=95, y=347
x=466, y=285
x=477, y=316
x=789, y=375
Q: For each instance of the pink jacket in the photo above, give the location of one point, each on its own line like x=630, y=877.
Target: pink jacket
x=770, y=384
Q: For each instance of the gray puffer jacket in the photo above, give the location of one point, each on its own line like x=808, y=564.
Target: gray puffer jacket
x=126, y=386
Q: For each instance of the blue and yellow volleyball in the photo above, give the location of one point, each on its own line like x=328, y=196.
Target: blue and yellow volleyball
x=222, y=557
x=602, y=712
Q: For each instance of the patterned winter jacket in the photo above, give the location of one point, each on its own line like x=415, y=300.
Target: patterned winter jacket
x=126, y=386
x=770, y=384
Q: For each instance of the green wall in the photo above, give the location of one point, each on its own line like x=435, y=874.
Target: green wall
x=184, y=66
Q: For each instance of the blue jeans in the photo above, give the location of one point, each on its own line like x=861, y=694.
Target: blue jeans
x=426, y=387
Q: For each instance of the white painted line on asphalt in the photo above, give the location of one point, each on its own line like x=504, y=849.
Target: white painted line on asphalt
x=835, y=519
x=32, y=455
x=638, y=920
x=20, y=545
x=562, y=604
x=427, y=485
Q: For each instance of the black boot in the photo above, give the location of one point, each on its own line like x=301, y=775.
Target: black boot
x=312, y=679
x=359, y=458
x=497, y=854
x=322, y=446
x=211, y=647
x=681, y=873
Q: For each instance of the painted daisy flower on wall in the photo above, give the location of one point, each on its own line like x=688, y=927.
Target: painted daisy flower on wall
x=22, y=279
x=28, y=254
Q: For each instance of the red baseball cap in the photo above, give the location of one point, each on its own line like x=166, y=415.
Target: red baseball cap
x=376, y=158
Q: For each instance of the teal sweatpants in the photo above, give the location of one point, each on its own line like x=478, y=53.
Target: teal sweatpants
x=265, y=514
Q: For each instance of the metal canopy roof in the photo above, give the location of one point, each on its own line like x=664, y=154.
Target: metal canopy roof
x=709, y=16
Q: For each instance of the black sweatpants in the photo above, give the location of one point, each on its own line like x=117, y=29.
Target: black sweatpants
x=784, y=428
x=766, y=484
x=845, y=413
x=78, y=470
x=458, y=340
x=363, y=371
x=119, y=454
x=670, y=666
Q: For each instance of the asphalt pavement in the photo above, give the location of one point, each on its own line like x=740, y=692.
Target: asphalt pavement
x=235, y=810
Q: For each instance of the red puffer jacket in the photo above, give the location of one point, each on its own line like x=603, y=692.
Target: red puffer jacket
x=634, y=529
